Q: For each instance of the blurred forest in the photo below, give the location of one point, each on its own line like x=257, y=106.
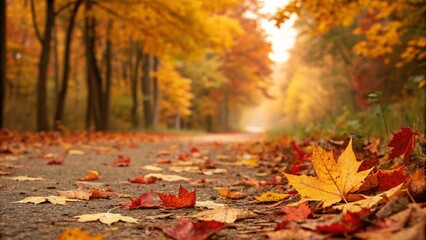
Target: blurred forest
x=200, y=65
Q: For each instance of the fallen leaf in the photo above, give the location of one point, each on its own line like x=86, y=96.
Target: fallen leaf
x=168, y=178
x=77, y=234
x=271, y=197
x=106, y=218
x=145, y=200
x=370, y=182
x=372, y=162
x=152, y=168
x=417, y=186
x=302, y=211
x=208, y=204
x=370, y=202
x=91, y=175
x=75, y=152
x=214, y=171
x=122, y=161
x=143, y=180
x=402, y=143
x=187, y=230
x=56, y=161
x=26, y=178
x=101, y=193
x=184, y=199
x=334, y=179
x=350, y=222
x=226, y=215
x=51, y=199
x=388, y=179
x=229, y=194
x=75, y=194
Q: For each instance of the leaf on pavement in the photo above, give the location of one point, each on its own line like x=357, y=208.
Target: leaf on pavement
x=75, y=152
x=370, y=201
x=91, y=175
x=403, y=143
x=208, y=204
x=77, y=234
x=226, y=215
x=75, y=194
x=271, y=197
x=26, y=178
x=184, y=199
x=143, y=180
x=101, y=193
x=106, y=218
x=56, y=161
x=334, y=179
x=168, y=178
x=122, y=161
x=188, y=230
x=51, y=199
x=294, y=234
x=145, y=200
x=230, y=194
x=300, y=212
x=348, y=223
x=388, y=179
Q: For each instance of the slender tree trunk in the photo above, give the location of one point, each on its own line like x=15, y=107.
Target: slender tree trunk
x=106, y=94
x=60, y=105
x=134, y=70
x=155, y=92
x=56, y=62
x=146, y=90
x=93, y=76
x=2, y=60
x=42, y=121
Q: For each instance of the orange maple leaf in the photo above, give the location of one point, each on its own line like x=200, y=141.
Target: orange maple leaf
x=184, y=199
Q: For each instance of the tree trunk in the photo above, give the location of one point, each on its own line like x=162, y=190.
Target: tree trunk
x=106, y=94
x=42, y=121
x=134, y=70
x=55, y=61
x=93, y=76
x=60, y=105
x=155, y=92
x=2, y=60
x=146, y=91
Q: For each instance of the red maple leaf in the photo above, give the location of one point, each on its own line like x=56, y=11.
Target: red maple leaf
x=299, y=154
x=194, y=150
x=143, y=180
x=390, y=179
x=349, y=223
x=302, y=211
x=187, y=230
x=56, y=161
x=122, y=161
x=145, y=200
x=403, y=143
x=184, y=199
x=373, y=161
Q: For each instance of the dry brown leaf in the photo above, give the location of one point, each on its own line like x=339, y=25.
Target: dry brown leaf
x=26, y=178
x=106, y=218
x=226, y=215
x=51, y=199
x=91, y=175
x=75, y=194
x=229, y=194
x=168, y=178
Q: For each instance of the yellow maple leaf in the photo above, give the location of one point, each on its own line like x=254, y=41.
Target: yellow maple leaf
x=271, y=197
x=334, y=179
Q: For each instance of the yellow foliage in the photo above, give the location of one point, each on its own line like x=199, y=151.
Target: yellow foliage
x=77, y=234
x=334, y=179
x=175, y=93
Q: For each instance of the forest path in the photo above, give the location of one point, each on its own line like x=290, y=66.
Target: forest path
x=205, y=152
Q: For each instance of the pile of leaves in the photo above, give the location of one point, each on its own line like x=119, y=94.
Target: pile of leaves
x=298, y=190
